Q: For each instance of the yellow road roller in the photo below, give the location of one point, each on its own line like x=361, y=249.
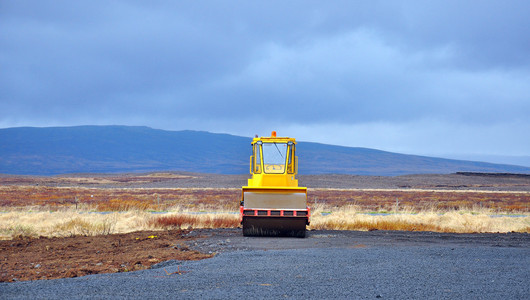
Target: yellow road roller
x=272, y=204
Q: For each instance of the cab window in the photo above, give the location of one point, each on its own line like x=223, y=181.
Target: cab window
x=274, y=157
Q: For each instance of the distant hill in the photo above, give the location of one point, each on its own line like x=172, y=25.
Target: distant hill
x=110, y=149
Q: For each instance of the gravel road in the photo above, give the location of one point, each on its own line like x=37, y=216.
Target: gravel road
x=327, y=264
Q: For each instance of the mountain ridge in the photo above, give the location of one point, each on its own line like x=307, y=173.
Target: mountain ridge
x=117, y=148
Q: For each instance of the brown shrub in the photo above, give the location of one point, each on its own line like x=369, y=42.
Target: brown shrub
x=198, y=221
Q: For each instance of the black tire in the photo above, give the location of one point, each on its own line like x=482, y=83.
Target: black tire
x=266, y=226
x=301, y=233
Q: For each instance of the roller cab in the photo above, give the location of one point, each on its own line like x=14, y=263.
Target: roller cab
x=272, y=204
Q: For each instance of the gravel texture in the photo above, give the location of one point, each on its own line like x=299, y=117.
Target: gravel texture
x=360, y=266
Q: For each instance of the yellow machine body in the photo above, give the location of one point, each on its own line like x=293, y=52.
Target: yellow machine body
x=272, y=203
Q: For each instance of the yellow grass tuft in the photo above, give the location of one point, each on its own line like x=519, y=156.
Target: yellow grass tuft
x=82, y=226
x=459, y=221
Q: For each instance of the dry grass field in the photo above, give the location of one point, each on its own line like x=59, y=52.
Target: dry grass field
x=64, y=206
x=68, y=226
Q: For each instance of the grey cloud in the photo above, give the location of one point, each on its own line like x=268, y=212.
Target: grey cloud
x=296, y=63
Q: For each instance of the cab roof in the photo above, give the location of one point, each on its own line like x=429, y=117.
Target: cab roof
x=273, y=139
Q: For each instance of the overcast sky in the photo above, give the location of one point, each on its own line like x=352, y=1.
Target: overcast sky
x=445, y=78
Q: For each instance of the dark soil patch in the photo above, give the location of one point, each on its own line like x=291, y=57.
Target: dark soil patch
x=50, y=258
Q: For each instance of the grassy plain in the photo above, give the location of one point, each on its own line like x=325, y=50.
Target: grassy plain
x=30, y=210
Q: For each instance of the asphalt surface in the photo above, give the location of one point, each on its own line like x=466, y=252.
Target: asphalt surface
x=327, y=264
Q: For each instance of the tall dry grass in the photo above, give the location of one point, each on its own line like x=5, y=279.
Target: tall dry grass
x=77, y=211
x=68, y=222
x=463, y=220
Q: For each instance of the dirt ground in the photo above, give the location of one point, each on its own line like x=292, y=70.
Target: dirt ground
x=326, y=264
x=51, y=258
